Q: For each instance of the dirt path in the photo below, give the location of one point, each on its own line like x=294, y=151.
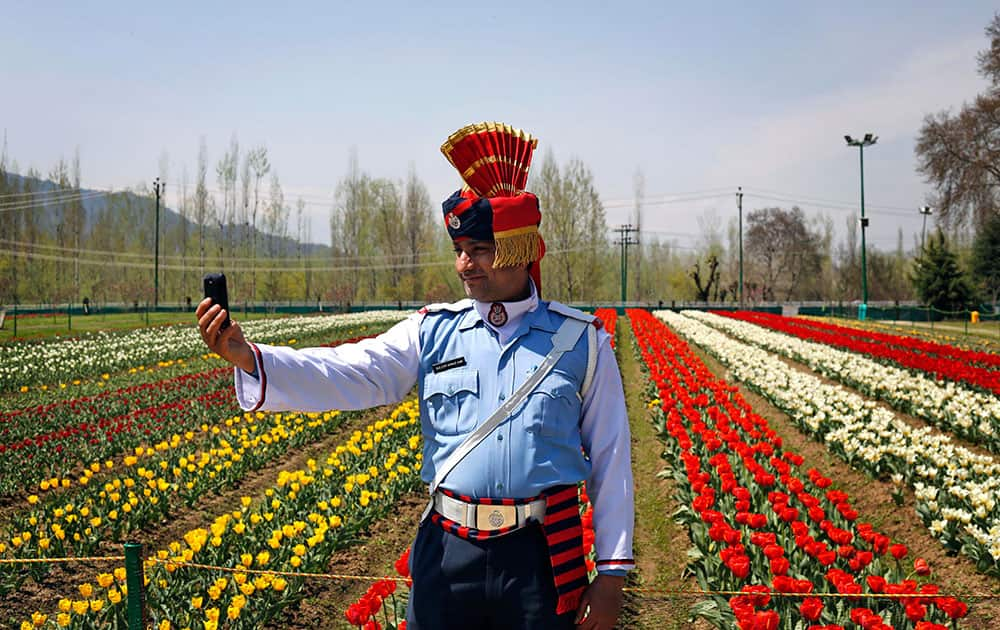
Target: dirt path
x=873, y=500
x=325, y=602
x=660, y=544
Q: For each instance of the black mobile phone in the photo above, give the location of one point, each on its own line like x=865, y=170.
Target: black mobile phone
x=215, y=288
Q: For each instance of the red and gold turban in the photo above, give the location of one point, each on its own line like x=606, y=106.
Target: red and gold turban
x=493, y=160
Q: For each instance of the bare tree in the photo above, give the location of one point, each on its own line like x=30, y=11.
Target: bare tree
x=573, y=226
x=639, y=195
x=276, y=225
x=201, y=202
x=782, y=251
x=705, y=280
x=417, y=213
x=225, y=173
x=959, y=154
x=261, y=166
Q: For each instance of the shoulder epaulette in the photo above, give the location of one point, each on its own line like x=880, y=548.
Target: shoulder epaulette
x=567, y=311
x=453, y=307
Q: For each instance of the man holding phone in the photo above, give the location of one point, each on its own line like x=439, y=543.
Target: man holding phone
x=520, y=400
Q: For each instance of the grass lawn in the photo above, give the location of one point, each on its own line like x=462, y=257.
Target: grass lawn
x=39, y=326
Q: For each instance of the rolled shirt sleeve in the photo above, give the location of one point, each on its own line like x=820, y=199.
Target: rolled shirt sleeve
x=371, y=372
x=607, y=440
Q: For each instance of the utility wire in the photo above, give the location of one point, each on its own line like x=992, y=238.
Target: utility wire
x=37, y=193
x=259, y=259
x=55, y=196
x=142, y=265
x=833, y=205
x=820, y=200
x=41, y=203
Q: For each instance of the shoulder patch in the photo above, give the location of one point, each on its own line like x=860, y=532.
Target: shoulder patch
x=566, y=311
x=453, y=307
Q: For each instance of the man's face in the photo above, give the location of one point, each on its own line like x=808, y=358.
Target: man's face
x=474, y=265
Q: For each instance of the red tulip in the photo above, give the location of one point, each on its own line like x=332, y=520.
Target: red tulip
x=811, y=608
x=779, y=566
x=402, y=565
x=898, y=551
x=915, y=611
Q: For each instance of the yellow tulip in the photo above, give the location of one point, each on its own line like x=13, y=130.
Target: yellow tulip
x=80, y=607
x=196, y=602
x=63, y=619
x=86, y=589
x=96, y=605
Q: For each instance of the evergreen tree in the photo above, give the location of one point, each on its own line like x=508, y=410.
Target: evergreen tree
x=937, y=278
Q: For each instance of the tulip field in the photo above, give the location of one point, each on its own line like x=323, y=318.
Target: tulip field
x=120, y=436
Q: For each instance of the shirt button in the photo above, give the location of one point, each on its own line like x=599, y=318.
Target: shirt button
x=499, y=486
x=503, y=397
x=451, y=390
x=499, y=438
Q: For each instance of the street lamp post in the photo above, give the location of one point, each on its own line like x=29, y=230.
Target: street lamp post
x=739, y=204
x=867, y=141
x=924, y=210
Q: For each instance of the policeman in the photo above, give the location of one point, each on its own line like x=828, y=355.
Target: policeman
x=520, y=401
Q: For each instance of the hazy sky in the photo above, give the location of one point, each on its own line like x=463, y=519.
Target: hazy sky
x=700, y=97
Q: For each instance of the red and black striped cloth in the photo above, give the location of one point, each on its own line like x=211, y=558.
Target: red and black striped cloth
x=563, y=532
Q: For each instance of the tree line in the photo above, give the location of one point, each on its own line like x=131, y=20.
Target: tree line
x=388, y=245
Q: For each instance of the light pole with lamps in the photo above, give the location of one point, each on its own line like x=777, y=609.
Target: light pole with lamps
x=924, y=210
x=867, y=141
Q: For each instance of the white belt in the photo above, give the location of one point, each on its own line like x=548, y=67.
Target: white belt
x=488, y=517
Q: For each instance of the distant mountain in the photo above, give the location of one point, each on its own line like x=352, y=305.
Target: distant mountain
x=96, y=204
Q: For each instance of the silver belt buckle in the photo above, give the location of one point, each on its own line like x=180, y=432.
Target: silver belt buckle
x=495, y=516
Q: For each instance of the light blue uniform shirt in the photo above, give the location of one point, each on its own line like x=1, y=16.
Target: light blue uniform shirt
x=541, y=445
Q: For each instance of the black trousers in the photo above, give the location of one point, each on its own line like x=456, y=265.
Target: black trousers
x=504, y=582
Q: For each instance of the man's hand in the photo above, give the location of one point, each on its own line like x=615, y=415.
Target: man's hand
x=604, y=597
x=230, y=344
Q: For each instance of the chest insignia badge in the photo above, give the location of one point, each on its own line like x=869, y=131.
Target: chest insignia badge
x=497, y=315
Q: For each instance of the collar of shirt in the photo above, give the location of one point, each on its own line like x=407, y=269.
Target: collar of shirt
x=515, y=313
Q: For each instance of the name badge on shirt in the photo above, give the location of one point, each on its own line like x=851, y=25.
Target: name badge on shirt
x=448, y=365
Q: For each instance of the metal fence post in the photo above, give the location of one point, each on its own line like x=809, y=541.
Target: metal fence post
x=135, y=580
